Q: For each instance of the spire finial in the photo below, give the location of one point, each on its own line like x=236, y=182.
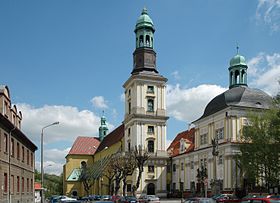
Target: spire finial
x=144, y=11
x=237, y=48
x=102, y=112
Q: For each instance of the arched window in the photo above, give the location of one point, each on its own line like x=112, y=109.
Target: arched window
x=237, y=77
x=150, y=106
x=141, y=41
x=129, y=146
x=147, y=40
x=242, y=76
x=151, y=146
x=83, y=164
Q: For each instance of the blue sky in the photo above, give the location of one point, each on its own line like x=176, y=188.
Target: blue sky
x=67, y=60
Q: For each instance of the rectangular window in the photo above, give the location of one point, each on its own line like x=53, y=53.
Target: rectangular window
x=174, y=186
x=22, y=155
x=128, y=186
x=192, y=164
x=168, y=187
x=220, y=133
x=220, y=161
x=181, y=186
x=151, y=129
x=27, y=185
x=174, y=167
x=5, y=182
x=31, y=184
x=12, y=184
x=182, y=166
x=150, y=89
x=17, y=184
x=150, y=105
x=18, y=151
x=151, y=146
x=151, y=169
x=12, y=147
x=6, y=109
x=5, y=143
x=31, y=159
x=22, y=184
x=203, y=139
x=27, y=154
x=0, y=141
x=129, y=107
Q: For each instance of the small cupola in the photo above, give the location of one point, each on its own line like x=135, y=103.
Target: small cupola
x=103, y=129
x=237, y=71
x=144, y=31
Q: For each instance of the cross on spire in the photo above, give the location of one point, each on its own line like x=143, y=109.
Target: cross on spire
x=237, y=49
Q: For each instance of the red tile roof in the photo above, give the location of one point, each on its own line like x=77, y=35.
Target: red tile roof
x=174, y=147
x=85, y=145
x=112, y=138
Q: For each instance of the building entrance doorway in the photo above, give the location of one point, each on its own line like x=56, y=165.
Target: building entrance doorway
x=151, y=189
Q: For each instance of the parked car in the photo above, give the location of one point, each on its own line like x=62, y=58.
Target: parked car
x=116, y=198
x=200, y=200
x=66, y=199
x=148, y=198
x=105, y=197
x=128, y=199
x=260, y=200
x=223, y=197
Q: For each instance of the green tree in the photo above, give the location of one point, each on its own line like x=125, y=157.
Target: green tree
x=260, y=151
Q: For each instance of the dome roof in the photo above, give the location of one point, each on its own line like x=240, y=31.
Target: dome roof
x=238, y=60
x=144, y=20
x=241, y=96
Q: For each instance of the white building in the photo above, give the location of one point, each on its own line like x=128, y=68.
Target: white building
x=145, y=109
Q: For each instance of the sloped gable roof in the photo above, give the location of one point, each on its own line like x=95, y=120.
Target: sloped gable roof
x=112, y=138
x=174, y=147
x=84, y=146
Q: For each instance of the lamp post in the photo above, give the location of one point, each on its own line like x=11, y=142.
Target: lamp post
x=42, y=168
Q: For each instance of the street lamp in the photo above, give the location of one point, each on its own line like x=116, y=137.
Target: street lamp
x=42, y=168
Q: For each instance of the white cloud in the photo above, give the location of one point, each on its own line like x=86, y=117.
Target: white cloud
x=99, y=102
x=54, y=159
x=72, y=122
x=265, y=71
x=122, y=97
x=188, y=104
x=268, y=11
x=176, y=75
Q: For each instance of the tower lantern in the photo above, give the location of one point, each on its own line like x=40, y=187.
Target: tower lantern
x=144, y=56
x=237, y=71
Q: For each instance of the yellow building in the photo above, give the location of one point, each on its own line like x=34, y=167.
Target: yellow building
x=81, y=152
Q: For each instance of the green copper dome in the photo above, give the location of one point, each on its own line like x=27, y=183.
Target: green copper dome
x=144, y=20
x=238, y=60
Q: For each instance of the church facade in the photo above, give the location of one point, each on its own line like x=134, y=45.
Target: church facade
x=145, y=109
x=210, y=146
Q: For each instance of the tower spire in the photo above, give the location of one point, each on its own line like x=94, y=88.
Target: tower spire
x=237, y=70
x=237, y=48
x=103, y=129
x=144, y=55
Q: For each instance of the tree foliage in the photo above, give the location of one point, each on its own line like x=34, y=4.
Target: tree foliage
x=260, y=151
x=52, y=183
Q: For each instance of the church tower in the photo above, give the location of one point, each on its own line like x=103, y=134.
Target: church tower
x=145, y=109
x=237, y=71
x=103, y=129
